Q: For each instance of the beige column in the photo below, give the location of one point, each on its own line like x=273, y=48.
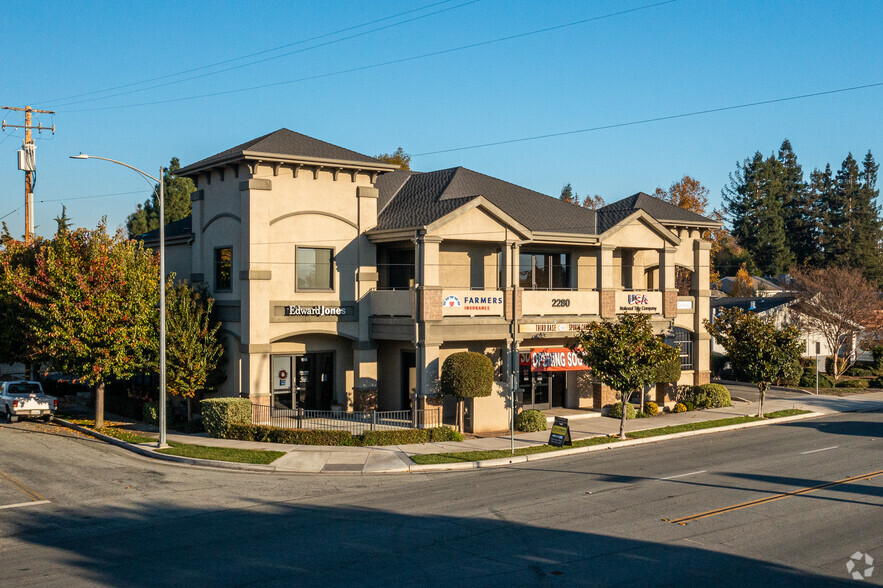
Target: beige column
x=667, y=282
x=365, y=392
x=606, y=288
x=255, y=373
x=701, y=301
x=428, y=368
x=637, y=272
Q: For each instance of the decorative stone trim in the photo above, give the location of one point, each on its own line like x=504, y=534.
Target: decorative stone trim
x=255, y=275
x=608, y=303
x=255, y=184
x=198, y=195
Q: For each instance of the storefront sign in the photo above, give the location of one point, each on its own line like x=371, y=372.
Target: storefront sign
x=285, y=311
x=685, y=304
x=472, y=303
x=559, y=359
x=552, y=327
x=559, y=436
x=641, y=302
x=559, y=302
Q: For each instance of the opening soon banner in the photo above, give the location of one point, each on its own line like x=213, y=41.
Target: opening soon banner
x=556, y=359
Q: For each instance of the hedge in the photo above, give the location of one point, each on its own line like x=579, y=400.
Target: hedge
x=853, y=384
x=530, y=420
x=716, y=395
x=218, y=414
x=467, y=374
x=267, y=434
x=615, y=411
x=876, y=383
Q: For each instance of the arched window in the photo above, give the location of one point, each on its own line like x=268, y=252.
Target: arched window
x=683, y=340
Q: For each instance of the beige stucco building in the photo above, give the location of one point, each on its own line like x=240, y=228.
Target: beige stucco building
x=342, y=280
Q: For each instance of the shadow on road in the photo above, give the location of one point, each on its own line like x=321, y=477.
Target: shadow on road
x=285, y=544
x=841, y=427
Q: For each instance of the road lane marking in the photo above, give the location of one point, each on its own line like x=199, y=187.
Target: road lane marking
x=21, y=487
x=817, y=450
x=21, y=504
x=711, y=513
x=683, y=475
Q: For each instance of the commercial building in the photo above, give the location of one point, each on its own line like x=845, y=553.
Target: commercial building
x=344, y=281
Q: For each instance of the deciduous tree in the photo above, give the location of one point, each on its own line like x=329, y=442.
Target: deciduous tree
x=93, y=297
x=623, y=354
x=839, y=304
x=397, y=157
x=756, y=347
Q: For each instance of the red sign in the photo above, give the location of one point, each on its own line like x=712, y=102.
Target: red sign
x=557, y=359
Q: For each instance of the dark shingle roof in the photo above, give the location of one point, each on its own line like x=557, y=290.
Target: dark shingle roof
x=760, y=304
x=422, y=198
x=289, y=143
x=178, y=228
x=659, y=209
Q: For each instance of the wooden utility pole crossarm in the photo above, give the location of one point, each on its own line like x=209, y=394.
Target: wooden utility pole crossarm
x=27, y=145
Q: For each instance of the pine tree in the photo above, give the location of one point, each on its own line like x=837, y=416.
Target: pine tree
x=800, y=215
x=867, y=235
x=821, y=192
x=63, y=221
x=176, y=193
x=568, y=195
x=751, y=200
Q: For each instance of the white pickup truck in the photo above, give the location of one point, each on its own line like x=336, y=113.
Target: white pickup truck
x=25, y=399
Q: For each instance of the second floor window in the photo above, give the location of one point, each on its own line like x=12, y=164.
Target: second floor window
x=544, y=271
x=314, y=268
x=223, y=269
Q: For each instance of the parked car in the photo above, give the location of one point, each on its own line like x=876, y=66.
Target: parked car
x=20, y=399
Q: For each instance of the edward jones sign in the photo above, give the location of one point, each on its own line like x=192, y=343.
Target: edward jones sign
x=557, y=359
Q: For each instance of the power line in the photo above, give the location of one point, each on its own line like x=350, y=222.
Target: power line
x=381, y=64
x=650, y=120
x=95, y=196
x=64, y=101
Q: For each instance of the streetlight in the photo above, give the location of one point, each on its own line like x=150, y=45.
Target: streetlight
x=162, y=286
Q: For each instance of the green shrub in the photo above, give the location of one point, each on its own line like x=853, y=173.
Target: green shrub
x=615, y=411
x=679, y=407
x=689, y=406
x=876, y=382
x=219, y=413
x=715, y=396
x=467, y=374
x=669, y=371
x=853, y=384
x=651, y=408
x=150, y=413
x=444, y=434
x=877, y=352
x=829, y=365
x=264, y=433
x=859, y=370
x=530, y=420
x=791, y=374
x=396, y=437
x=808, y=380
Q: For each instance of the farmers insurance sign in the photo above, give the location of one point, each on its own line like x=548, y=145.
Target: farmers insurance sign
x=557, y=359
x=640, y=302
x=472, y=303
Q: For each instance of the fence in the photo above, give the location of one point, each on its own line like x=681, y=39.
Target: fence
x=354, y=422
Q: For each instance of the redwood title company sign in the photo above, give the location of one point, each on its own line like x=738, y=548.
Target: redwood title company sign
x=641, y=302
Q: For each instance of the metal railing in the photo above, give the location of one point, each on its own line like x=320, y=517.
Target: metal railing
x=354, y=422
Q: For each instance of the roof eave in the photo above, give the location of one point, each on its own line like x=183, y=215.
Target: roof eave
x=281, y=158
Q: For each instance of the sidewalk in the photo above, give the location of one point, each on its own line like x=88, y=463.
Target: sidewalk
x=394, y=459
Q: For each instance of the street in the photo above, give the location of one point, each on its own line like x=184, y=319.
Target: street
x=84, y=513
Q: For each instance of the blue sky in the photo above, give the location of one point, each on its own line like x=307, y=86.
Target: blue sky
x=655, y=61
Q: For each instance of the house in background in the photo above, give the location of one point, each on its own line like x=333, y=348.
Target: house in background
x=762, y=287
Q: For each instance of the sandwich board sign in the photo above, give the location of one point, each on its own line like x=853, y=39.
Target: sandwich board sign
x=560, y=434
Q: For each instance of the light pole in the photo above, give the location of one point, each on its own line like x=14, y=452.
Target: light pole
x=162, y=285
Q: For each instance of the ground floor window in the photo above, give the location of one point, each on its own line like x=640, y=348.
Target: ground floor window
x=684, y=342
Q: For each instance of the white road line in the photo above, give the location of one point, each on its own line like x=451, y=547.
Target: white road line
x=817, y=450
x=21, y=504
x=684, y=475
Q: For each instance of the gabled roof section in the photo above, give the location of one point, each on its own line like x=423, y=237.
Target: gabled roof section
x=178, y=229
x=661, y=210
x=622, y=220
x=755, y=304
x=422, y=198
x=286, y=144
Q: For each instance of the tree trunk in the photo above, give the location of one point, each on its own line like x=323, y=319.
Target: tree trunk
x=643, y=392
x=189, y=411
x=626, y=396
x=99, y=405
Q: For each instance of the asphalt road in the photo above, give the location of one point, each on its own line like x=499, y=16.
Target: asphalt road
x=594, y=519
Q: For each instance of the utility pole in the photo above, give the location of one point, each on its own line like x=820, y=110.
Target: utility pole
x=27, y=161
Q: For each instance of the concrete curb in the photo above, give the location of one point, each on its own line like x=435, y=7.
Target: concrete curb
x=443, y=467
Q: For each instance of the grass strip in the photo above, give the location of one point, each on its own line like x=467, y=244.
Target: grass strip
x=257, y=456
x=466, y=456
x=124, y=435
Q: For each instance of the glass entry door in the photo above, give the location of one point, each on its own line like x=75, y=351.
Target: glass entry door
x=541, y=390
x=282, y=382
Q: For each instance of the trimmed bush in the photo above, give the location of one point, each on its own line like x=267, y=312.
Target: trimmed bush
x=615, y=411
x=467, y=374
x=808, y=380
x=444, y=434
x=689, y=406
x=397, y=437
x=716, y=395
x=792, y=373
x=651, y=408
x=530, y=420
x=219, y=413
x=853, y=384
x=860, y=370
x=668, y=372
x=679, y=407
x=876, y=383
x=249, y=432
